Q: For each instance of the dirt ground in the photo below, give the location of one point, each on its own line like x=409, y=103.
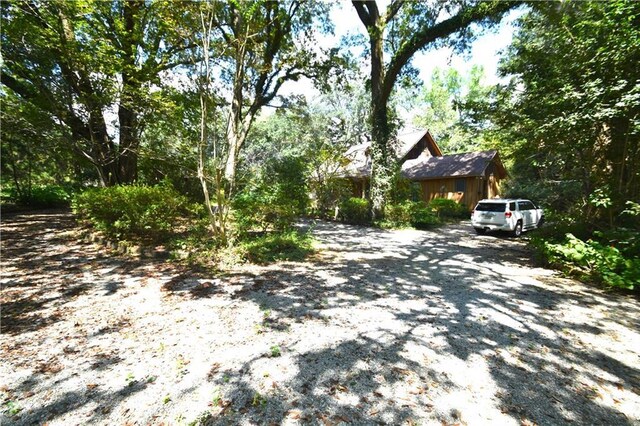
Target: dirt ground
x=380, y=327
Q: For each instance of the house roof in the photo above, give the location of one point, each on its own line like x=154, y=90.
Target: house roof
x=456, y=165
x=408, y=138
x=359, y=165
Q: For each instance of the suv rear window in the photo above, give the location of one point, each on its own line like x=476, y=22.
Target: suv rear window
x=491, y=207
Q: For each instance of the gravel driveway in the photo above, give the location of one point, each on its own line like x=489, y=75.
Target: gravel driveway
x=380, y=327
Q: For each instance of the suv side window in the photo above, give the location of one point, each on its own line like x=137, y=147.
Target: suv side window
x=522, y=205
x=512, y=206
x=529, y=205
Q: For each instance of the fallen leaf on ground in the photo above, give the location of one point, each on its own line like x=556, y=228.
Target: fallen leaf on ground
x=294, y=414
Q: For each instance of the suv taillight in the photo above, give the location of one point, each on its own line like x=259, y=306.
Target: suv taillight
x=507, y=215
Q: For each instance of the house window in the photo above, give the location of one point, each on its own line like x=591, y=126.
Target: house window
x=461, y=185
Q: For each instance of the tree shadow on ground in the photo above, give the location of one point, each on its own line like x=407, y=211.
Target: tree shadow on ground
x=44, y=266
x=42, y=277
x=388, y=327
x=464, y=303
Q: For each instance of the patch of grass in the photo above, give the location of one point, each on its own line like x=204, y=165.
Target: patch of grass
x=181, y=365
x=130, y=378
x=259, y=400
x=204, y=418
x=275, y=351
x=273, y=247
x=12, y=408
x=216, y=400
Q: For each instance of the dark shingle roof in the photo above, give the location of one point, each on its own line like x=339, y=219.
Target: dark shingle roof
x=456, y=165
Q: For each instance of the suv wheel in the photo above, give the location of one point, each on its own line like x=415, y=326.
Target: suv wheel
x=518, y=229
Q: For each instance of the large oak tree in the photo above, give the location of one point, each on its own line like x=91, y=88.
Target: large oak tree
x=405, y=28
x=82, y=62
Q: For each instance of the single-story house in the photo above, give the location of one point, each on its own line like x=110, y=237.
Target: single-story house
x=466, y=178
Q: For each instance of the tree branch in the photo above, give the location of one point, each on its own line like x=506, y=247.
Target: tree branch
x=444, y=29
x=392, y=10
x=364, y=15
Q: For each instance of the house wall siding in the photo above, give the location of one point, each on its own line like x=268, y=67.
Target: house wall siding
x=446, y=188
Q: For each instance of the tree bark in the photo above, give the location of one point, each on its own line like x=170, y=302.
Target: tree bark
x=381, y=161
x=128, y=140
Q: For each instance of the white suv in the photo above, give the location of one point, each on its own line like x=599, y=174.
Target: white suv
x=506, y=215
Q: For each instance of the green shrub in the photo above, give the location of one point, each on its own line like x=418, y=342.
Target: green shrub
x=273, y=199
x=261, y=210
x=591, y=258
x=403, y=189
x=422, y=217
x=43, y=196
x=330, y=194
x=398, y=215
x=355, y=211
x=290, y=245
x=409, y=213
x=446, y=208
x=133, y=212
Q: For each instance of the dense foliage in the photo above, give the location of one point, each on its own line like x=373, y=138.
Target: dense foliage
x=273, y=198
x=76, y=61
x=569, y=118
x=291, y=245
x=133, y=212
x=446, y=208
x=415, y=214
x=42, y=196
x=112, y=92
x=568, y=123
x=599, y=258
x=355, y=210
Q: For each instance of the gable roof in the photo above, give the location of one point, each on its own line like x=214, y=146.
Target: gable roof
x=359, y=158
x=469, y=164
x=359, y=162
x=408, y=138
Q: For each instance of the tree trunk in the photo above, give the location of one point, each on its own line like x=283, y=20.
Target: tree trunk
x=381, y=163
x=235, y=128
x=236, y=135
x=128, y=145
x=127, y=115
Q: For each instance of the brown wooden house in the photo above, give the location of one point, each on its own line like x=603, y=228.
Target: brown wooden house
x=466, y=178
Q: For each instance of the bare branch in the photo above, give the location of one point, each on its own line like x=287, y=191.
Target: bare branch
x=392, y=10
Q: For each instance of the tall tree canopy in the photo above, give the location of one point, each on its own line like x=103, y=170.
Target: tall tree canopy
x=81, y=62
x=260, y=46
x=570, y=117
x=446, y=98
x=405, y=28
x=246, y=52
